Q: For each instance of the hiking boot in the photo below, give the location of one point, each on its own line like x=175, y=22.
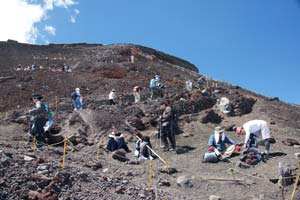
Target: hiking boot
x=165, y=149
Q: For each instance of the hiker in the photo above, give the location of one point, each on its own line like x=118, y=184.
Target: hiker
x=217, y=148
x=77, y=99
x=132, y=58
x=201, y=82
x=141, y=150
x=40, y=117
x=112, y=96
x=137, y=94
x=19, y=68
x=252, y=129
x=224, y=105
x=167, y=134
x=156, y=87
x=145, y=152
x=116, y=141
x=189, y=85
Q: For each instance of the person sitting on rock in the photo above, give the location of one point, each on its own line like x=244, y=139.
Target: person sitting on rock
x=217, y=148
x=116, y=141
x=77, y=99
x=40, y=117
x=145, y=152
x=139, y=137
x=252, y=129
x=112, y=97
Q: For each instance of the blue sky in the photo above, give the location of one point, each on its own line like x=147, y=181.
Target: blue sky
x=254, y=44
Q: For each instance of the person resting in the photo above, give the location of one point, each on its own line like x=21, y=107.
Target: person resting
x=116, y=141
x=217, y=146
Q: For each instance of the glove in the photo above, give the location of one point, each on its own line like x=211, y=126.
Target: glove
x=211, y=148
x=237, y=148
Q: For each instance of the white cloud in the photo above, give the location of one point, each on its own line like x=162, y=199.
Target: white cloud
x=74, y=15
x=19, y=18
x=50, y=30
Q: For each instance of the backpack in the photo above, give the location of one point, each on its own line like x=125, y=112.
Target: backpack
x=47, y=108
x=74, y=95
x=152, y=84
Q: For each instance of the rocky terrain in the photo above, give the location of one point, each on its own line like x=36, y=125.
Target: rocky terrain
x=28, y=172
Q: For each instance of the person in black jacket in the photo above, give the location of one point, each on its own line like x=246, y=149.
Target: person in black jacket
x=166, y=120
x=40, y=117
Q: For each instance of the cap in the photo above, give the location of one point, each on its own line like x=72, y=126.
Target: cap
x=219, y=129
x=77, y=89
x=36, y=96
x=113, y=90
x=239, y=130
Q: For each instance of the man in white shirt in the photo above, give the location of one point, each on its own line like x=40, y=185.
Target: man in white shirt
x=252, y=129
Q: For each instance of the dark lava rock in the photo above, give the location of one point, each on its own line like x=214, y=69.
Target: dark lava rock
x=211, y=116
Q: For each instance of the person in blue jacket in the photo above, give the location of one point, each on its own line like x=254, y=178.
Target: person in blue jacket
x=220, y=146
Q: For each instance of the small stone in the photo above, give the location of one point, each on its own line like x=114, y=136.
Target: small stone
x=214, y=197
x=105, y=170
x=297, y=155
x=242, y=165
x=184, y=181
x=28, y=158
x=120, y=190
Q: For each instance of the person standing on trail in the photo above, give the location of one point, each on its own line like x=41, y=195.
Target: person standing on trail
x=112, y=97
x=137, y=94
x=252, y=129
x=217, y=146
x=40, y=117
x=167, y=134
x=77, y=99
x=156, y=87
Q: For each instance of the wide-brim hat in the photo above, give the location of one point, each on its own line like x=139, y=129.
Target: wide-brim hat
x=219, y=129
x=36, y=96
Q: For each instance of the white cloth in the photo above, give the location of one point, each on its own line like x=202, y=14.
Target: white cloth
x=217, y=136
x=257, y=127
x=112, y=95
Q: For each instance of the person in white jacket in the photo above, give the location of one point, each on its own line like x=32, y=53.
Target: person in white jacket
x=253, y=129
x=112, y=96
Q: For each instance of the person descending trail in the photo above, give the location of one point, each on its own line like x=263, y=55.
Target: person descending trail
x=252, y=129
x=167, y=134
x=40, y=117
x=77, y=99
x=112, y=97
x=217, y=149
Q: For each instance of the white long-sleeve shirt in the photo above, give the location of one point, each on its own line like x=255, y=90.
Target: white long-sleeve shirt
x=256, y=127
x=112, y=95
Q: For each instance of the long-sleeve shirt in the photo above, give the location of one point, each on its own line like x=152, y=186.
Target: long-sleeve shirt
x=255, y=127
x=221, y=145
x=112, y=95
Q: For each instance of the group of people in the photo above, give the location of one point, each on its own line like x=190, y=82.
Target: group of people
x=221, y=147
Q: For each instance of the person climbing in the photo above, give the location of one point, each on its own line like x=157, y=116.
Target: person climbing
x=252, y=129
x=189, y=86
x=77, y=99
x=167, y=134
x=40, y=117
x=217, y=146
x=116, y=141
x=201, y=83
x=112, y=97
x=137, y=94
x=156, y=87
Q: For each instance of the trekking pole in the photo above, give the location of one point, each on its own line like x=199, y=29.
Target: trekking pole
x=160, y=132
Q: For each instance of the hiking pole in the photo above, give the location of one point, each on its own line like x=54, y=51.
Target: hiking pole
x=160, y=131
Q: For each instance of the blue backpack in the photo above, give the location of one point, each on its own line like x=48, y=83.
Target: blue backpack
x=152, y=84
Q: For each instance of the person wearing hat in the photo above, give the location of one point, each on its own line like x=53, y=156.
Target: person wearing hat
x=40, y=117
x=252, y=129
x=112, y=96
x=217, y=146
x=77, y=99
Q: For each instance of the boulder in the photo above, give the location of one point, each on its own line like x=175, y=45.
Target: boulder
x=211, y=116
x=184, y=181
x=120, y=155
